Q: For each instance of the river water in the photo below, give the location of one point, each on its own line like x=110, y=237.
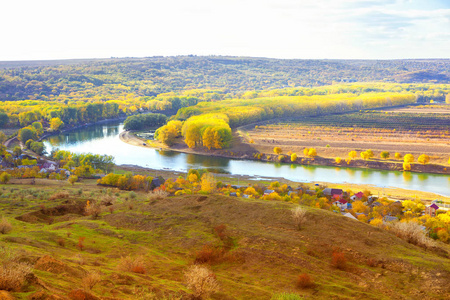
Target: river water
x=104, y=139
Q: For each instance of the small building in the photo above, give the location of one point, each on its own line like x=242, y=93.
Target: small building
x=357, y=196
x=332, y=192
x=233, y=194
x=431, y=209
x=268, y=192
x=389, y=219
x=341, y=203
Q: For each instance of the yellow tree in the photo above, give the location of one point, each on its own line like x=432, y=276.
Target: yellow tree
x=208, y=183
x=294, y=157
x=409, y=158
x=338, y=160
x=306, y=151
x=423, y=159
x=352, y=154
x=398, y=155
x=406, y=166
x=56, y=123
x=277, y=150
x=312, y=152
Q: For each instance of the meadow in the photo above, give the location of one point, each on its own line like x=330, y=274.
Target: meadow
x=86, y=241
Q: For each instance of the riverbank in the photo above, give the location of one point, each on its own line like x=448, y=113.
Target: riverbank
x=243, y=180
x=243, y=150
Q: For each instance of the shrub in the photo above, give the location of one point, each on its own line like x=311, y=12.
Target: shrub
x=134, y=264
x=59, y=195
x=72, y=179
x=80, y=244
x=94, y=210
x=90, y=280
x=157, y=194
x=304, y=281
x=338, y=260
x=5, y=226
x=13, y=275
x=410, y=232
x=61, y=242
x=299, y=216
x=201, y=281
x=209, y=255
x=277, y=150
x=4, y=177
x=384, y=154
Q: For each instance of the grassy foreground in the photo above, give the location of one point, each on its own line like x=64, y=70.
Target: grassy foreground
x=141, y=245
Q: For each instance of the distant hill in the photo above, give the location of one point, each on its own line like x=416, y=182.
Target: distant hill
x=154, y=75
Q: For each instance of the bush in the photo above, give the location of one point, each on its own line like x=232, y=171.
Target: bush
x=90, y=280
x=5, y=226
x=13, y=275
x=410, y=232
x=201, y=281
x=59, y=195
x=209, y=255
x=304, y=281
x=5, y=177
x=134, y=264
x=157, y=194
x=94, y=210
x=299, y=216
x=338, y=260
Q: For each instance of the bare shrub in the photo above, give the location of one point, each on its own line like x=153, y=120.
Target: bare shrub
x=299, y=216
x=201, y=281
x=107, y=200
x=5, y=226
x=94, y=210
x=304, y=281
x=134, y=264
x=13, y=273
x=410, y=232
x=59, y=195
x=157, y=195
x=90, y=280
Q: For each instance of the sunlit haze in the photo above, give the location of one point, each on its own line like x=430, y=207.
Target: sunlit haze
x=381, y=29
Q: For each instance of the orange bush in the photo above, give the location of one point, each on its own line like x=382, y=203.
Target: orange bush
x=209, y=255
x=338, y=260
x=304, y=281
x=138, y=269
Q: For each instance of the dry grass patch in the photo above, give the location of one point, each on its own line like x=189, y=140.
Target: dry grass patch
x=59, y=195
x=411, y=232
x=90, y=280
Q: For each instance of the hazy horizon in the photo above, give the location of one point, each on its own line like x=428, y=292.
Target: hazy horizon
x=284, y=29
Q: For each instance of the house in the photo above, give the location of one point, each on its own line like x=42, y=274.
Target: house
x=292, y=193
x=332, y=192
x=431, y=209
x=268, y=192
x=233, y=194
x=357, y=196
x=390, y=219
x=341, y=203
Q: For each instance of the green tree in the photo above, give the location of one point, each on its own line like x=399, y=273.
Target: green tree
x=384, y=154
x=26, y=134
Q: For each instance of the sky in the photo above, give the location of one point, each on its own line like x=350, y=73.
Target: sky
x=301, y=29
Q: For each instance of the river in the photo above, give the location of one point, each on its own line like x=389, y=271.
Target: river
x=104, y=139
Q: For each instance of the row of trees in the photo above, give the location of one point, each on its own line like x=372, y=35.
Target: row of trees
x=220, y=116
x=144, y=121
x=86, y=162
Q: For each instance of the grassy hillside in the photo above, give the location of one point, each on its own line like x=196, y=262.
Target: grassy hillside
x=140, y=247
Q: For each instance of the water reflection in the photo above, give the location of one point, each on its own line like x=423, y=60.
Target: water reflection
x=407, y=177
x=104, y=139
